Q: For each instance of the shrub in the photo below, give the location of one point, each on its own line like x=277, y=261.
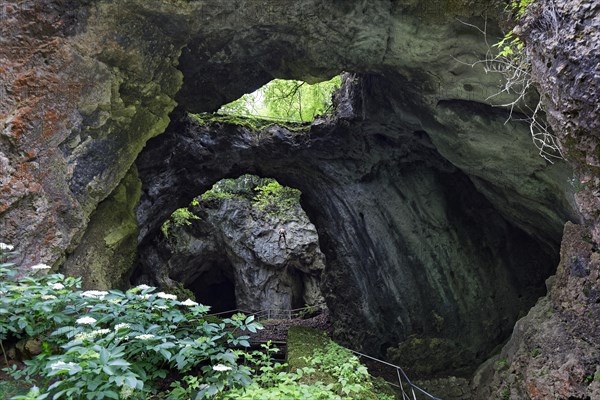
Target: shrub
x=113, y=344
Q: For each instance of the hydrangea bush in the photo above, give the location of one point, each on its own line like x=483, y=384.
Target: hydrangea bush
x=109, y=344
x=113, y=344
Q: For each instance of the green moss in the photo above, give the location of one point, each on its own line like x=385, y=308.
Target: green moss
x=107, y=251
x=302, y=343
x=181, y=292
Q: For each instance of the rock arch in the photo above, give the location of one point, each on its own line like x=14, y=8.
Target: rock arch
x=414, y=245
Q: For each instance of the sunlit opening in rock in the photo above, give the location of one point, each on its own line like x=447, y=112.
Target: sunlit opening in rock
x=286, y=100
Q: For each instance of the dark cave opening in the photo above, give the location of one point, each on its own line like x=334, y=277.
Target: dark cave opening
x=216, y=288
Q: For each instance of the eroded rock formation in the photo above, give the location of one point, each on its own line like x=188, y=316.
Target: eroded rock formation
x=416, y=252
x=436, y=218
x=232, y=257
x=553, y=352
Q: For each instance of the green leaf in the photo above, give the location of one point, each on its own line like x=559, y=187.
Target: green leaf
x=165, y=353
x=108, y=369
x=104, y=355
x=119, y=362
x=131, y=381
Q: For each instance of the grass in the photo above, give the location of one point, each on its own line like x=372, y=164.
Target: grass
x=301, y=345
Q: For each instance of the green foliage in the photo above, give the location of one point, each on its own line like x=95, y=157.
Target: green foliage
x=286, y=100
x=119, y=345
x=536, y=352
x=511, y=45
x=275, y=199
x=267, y=195
x=180, y=217
x=331, y=373
x=240, y=188
x=501, y=364
x=113, y=344
x=519, y=7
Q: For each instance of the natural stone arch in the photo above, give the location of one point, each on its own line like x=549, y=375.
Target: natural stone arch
x=412, y=246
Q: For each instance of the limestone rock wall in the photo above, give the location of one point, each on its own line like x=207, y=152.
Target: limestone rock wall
x=83, y=85
x=553, y=351
x=240, y=241
x=563, y=42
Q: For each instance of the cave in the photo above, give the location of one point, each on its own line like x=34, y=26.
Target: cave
x=227, y=250
x=214, y=288
x=423, y=251
x=438, y=221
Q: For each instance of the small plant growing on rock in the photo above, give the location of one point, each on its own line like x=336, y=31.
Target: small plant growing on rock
x=275, y=199
x=510, y=59
x=180, y=217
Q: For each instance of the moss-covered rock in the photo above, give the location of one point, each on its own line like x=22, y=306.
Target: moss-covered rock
x=108, y=249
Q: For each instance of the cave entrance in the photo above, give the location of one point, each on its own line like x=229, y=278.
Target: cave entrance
x=244, y=244
x=215, y=288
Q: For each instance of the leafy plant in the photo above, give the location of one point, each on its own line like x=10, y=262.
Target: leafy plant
x=113, y=344
x=180, y=217
x=275, y=199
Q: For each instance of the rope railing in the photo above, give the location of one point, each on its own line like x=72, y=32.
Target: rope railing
x=408, y=393
x=401, y=374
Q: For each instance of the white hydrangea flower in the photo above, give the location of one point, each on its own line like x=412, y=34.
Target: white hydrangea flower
x=122, y=326
x=189, y=303
x=4, y=246
x=62, y=365
x=221, y=368
x=94, y=294
x=146, y=336
x=166, y=296
x=85, y=321
x=58, y=286
x=38, y=267
x=91, y=335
